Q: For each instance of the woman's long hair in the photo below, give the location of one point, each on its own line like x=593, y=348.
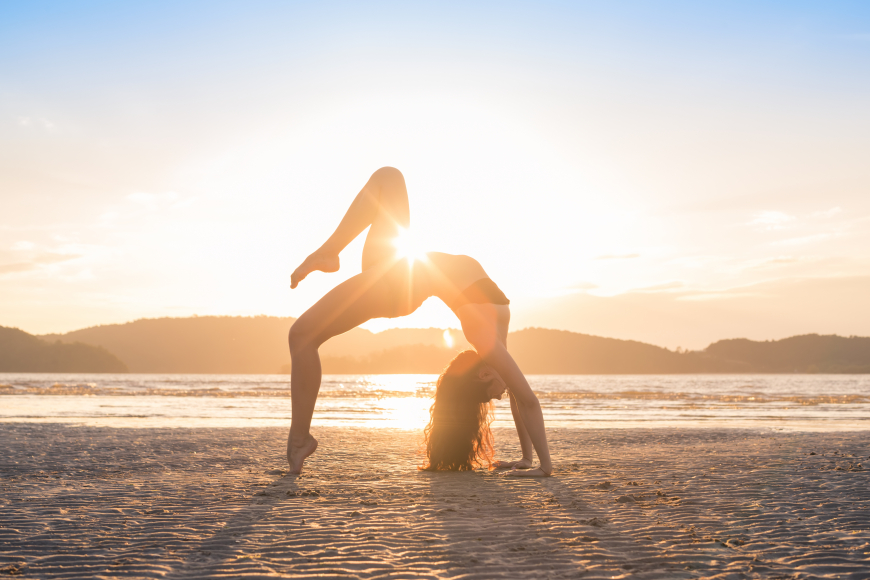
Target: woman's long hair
x=458, y=437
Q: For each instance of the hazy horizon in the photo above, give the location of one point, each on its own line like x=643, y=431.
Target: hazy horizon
x=672, y=173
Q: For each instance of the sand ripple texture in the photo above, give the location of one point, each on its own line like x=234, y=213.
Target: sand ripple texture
x=83, y=502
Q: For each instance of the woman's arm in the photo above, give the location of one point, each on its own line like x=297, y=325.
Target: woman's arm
x=528, y=407
x=525, y=441
x=485, y=327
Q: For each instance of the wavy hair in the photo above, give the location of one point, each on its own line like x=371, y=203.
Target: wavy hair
x=458, y=436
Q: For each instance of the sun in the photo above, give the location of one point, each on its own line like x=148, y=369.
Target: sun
x=407, y=246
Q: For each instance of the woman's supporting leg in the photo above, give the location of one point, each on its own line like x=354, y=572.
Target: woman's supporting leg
x=354, y=301
x=382, y=205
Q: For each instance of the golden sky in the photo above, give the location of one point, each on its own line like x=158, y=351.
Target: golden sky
x=671, y=173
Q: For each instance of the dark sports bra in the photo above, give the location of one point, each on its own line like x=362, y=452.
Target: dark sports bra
x=484, y=291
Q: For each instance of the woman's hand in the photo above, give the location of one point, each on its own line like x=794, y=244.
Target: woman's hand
x=521, y=464
x=536, y=472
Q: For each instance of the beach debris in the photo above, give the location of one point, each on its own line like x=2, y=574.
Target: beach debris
x=355, y=513
x=303, y=493
x=625, y=499
x=597, y=522
x=602, y=485
x=12, y=570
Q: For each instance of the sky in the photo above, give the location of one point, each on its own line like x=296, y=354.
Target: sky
x=671, y=172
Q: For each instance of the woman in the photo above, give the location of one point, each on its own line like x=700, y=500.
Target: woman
x=391, y=286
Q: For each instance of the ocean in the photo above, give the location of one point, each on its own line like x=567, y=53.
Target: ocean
x=777, y=402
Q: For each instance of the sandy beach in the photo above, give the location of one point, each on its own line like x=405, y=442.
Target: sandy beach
x=81, y=502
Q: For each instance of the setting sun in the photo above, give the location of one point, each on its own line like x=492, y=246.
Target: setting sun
x=407, y=246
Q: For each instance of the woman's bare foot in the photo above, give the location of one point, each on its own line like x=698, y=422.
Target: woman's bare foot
x=319, y=260
x=298, y=451
x=521, y=464
x=536, y=472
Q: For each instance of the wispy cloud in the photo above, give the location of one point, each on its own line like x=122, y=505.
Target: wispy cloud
x=828, y=212
x=36, y=122
x=35, y=263
x=676, y=284
x=770, y=220
x=802, y=240
x=618, y=257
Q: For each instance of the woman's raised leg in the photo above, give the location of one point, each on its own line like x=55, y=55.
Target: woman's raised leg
x=382, y=206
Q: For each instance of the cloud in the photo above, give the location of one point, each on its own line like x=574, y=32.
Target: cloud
x=30, y=121
x=19, y=267
x=618, y=257
x=828, y=213
x=23, y=245
x=770, y=220
x=802, y=240
x=34, y=264
x=660, y=287
x=583, y=286
x=152, y=199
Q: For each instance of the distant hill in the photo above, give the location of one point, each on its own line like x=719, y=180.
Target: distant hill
x=546, y=351
x=203, y=344
x=809, y=353
x=24, y=353
x=240, y=344
x=227, y=344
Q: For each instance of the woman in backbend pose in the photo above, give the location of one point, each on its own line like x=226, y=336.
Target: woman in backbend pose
x=391, y=286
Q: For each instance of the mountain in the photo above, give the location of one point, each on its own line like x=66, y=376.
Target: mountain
x=559, y=352
x=227, y=344
x=24, y=353
x=199, y=344
x=809, y=353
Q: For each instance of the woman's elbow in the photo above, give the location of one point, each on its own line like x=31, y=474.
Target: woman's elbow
x=527, y=400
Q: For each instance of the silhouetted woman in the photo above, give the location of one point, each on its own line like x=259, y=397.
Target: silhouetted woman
x=392, y=285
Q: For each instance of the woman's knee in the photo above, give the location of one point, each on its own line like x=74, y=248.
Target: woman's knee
x=388, y=175
x=301, y=337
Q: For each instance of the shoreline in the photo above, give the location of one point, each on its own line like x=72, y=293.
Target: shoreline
x=649, y=503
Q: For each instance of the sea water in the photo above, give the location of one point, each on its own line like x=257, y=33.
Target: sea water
x=782, y=402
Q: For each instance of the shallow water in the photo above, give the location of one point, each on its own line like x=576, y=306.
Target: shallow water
x=788, y=402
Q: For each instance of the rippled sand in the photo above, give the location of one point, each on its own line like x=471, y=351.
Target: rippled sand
x=79, y=502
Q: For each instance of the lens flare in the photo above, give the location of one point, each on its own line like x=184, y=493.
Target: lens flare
x=448, y=339
x=408, y=247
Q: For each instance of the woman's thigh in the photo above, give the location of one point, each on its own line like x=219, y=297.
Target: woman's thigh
x=354, y=301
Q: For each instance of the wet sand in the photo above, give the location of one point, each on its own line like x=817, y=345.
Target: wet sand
x=81, y=502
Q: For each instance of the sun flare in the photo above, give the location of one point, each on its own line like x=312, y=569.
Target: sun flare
x=408, y=247
x=448, y=338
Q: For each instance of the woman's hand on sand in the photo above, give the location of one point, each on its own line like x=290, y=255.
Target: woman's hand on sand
x=536, y=472
x=521, y=464
x=319, y=260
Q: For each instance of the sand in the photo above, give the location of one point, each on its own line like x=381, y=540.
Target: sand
x=81, y=502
